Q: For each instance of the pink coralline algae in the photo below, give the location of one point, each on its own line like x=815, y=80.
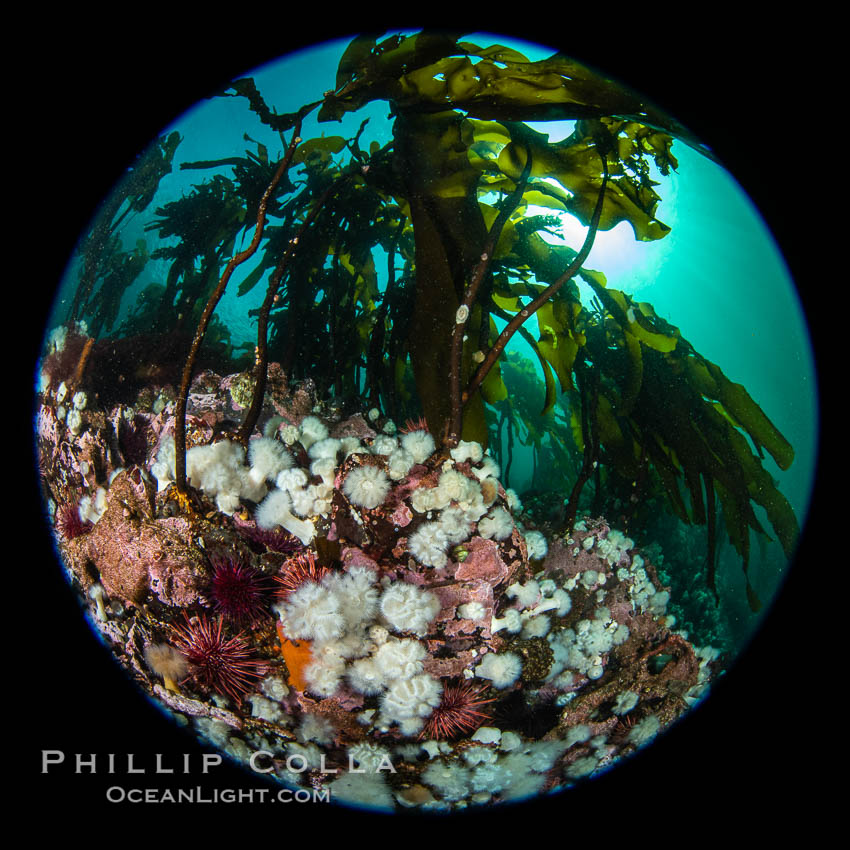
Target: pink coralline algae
x=138, y=555
x=483, y=563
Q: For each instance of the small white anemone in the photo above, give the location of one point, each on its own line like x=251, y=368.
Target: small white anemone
x=514, y=502
x=410, y=700
x=406, y=607
x=323, y=677
x=312, y=612
x=327, y=448
x=470, y=451
x=325, y=468
x=488, y=469
x=366, y=677
x=276, y=509
x=502, y=670
x=366, y=486
x=419, y=443
x=471, y=610
x=526, y=594
x=511, y=621
x=350, y=446
x=400, y=659
x=498, y=524
x=357, y=592
x=399, y=463
x=74, y=421
x=292, y=479
x=424, y=499
x=312, y=430
x=428, y=544
x=456, y=487
x=383, y=445
x=536, y=544
x=268, y=457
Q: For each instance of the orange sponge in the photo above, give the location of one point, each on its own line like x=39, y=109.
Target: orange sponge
x=297, y=656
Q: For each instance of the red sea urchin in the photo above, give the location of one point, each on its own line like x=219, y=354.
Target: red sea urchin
x=68, y=522
x=221, y=664
x=239, y=591
x=411, y=425
x=296, y=571
x=456, y=714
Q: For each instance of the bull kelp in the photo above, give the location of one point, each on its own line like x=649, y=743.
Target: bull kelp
x=286, y=398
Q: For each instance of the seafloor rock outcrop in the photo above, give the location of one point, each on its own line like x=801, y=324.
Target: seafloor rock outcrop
x=372, y=613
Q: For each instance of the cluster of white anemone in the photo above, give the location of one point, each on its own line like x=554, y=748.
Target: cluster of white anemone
x=458, y=506
x=219, y=469
x=461, y=503
x=349, y=618
x=503, y=763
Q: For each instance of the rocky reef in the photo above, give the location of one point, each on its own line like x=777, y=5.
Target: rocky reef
x=344, y=605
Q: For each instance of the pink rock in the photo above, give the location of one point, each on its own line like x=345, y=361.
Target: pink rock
x=401, y=516
x=136, y=554
x=348, y=699
x=483, y=563
x=452, y=667
x=452, y=596
x=174, y=582
x=354, y=557
x=354, y=426
x=203, y=401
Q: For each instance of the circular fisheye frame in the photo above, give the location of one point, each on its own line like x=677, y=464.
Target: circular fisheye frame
x=412, y=425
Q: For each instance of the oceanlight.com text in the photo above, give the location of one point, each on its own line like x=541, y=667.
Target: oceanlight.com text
x=118, y=794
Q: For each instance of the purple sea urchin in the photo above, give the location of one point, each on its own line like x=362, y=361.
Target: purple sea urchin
x=274, y=540
x=239, y=591
x=221, y=664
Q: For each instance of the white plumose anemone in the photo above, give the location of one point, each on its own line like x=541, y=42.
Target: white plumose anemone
x=357, y=594
x=420, y=444
x=312, y=430
x=268, y=457
x=406, y=608
x=365, y=676
x=399, y=464
x=456, y=487
x=408, y=701
x=312, y=612
x=428, y=544
x=497, y=524
x=464, y=451
x=455, y=524
x=366, y=486
x=502, y=669
x=400, y=659
x=537, y=545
